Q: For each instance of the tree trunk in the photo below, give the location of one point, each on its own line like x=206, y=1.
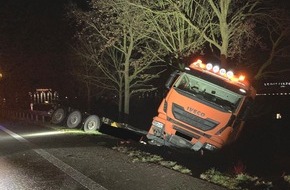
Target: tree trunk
x=223, y=60
x=126, y=100
x=126, y=91
x=120, y=105
x=127, y=79
x=224, y=30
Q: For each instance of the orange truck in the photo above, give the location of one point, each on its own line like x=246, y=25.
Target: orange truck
x=205, y=108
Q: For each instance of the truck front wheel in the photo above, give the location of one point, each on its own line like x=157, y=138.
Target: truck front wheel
x=92, y=123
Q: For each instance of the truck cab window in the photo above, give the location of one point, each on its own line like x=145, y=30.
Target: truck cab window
x=210, y=92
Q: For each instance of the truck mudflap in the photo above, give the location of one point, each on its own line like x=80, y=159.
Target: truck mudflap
x=174, y=141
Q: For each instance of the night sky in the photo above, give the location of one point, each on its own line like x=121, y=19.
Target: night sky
x=35, y=40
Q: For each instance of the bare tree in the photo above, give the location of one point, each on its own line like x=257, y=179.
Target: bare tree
x=229, y=26
x=118, y=41
x=85, y=72
x=103, y=71
x=170, y=30
x=277, y=38
x=226, y=25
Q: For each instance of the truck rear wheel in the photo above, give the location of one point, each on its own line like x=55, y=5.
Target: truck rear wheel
x=58, y=116
x=74, y=119
x=92, y=123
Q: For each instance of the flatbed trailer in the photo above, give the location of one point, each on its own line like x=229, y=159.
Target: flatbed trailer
x=73, y=118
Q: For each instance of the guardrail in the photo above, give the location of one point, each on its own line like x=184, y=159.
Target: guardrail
x=35, y=116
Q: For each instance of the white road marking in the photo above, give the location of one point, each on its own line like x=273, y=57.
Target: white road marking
x=76, y=175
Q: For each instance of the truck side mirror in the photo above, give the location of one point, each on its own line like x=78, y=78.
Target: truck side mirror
x=171, y=79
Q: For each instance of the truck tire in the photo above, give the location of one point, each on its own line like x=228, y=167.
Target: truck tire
x=74, y=119
x=92, y=123
x=58, y=116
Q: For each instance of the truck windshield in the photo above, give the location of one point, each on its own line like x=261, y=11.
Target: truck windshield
x=213, y=94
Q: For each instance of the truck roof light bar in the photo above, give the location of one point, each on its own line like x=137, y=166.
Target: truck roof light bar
x=216, y=69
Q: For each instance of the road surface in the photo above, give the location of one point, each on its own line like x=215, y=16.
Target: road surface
x=33, y=156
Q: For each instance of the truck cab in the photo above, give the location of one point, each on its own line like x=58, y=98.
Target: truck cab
x=204, y=109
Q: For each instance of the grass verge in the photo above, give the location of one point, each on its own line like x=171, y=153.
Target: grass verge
x=140, y=156
x=240, y=181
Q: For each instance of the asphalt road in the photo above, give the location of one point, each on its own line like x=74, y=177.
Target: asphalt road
x=33, y=156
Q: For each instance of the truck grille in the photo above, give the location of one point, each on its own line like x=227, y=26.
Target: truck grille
x=204, y=124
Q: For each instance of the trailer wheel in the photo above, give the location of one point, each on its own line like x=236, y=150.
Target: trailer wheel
x=92, y=123
x=74, y=119
x=58, y=116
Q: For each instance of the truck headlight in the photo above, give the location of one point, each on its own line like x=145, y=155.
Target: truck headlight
x=158, y=124
x=158, y=130
x=209, y=147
